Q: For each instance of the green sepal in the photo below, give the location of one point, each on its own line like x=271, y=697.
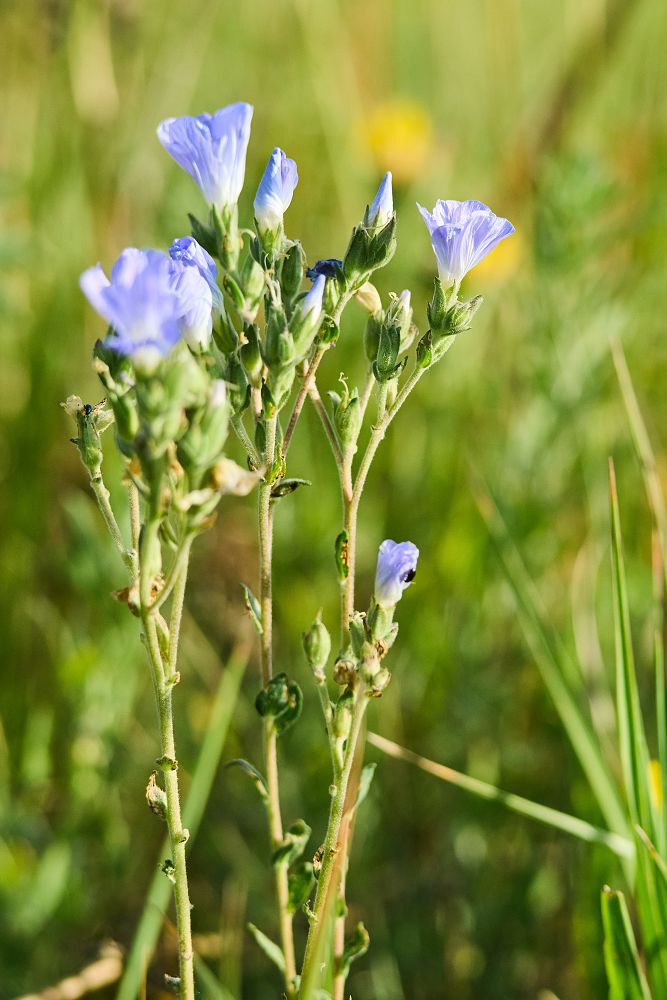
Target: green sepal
x=291, y=272
x=357, y=632
x=342, y=555
x=425, y=351
x=204, y=235
x=269, y=947
x=253, y=608
x=233, y=288
x=386, y=361
x=255, y=776
x=293, y=844
x=286, y=486
x=300, y=884
x=355, y=947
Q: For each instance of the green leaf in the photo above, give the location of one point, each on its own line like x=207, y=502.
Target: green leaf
x=365, y=781
x=632, y=737
x=286, y=486
x=209, y=987
x=300, y=884
x=293, y=710
x=355, y=947
x=293, y=844
x=269, y=947
x=621, y=846
x=252, y=772
x=624, y=972
x=253, y=608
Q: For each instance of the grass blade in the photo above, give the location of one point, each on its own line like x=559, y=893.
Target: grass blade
x=157, y=898
x=621, y=846
x=624, y=972
x=632, y=737
x=556, y=669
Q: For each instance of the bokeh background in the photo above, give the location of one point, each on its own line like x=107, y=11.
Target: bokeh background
x=555, y=115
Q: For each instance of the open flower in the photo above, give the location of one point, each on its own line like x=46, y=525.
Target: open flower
x=381, y=208
x=462, y=234
x=151, y=302
x=396, y=568
x=140, y=303
x=274, y=194
x=212, y=148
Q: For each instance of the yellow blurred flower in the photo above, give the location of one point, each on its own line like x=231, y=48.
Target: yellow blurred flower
x=400, y=134
x=655, y=783
x=503, y=261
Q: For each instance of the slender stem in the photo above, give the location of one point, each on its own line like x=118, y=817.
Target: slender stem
x=303, y=392
x=135, y=516
x=176, y=571
x=103, y=502
x=379, y=431
x=265, y=518
x=163, y=682
x=367, y=392
x=329, y=428
x=244, y=438
x=327, y=883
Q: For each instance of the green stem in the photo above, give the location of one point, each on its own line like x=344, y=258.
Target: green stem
x=103, y=502
x=331, y=860
x=265, y=519
x=163, y=682
x=244, y=438
x=303, y=392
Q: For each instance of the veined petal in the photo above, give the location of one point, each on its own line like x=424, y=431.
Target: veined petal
x=396, y=568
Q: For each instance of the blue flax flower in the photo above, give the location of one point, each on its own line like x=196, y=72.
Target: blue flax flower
x=192, y=254
x=462, y=234
x=212, y=148
x=151, y=302
x=396, y=568
x=274, y=194
x=382, y=206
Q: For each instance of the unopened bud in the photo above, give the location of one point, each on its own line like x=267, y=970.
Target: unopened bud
x=317, y=647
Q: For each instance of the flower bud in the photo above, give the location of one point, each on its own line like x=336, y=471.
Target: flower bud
x=348, y=417
x=386, y=366
x=381, y=209
x=291, y=272
x=459, y=318
x=342, y=717
x=274, y=196
x=252, y=284
x=317, y=647
x=372, y=337
x=307, y=316
x=251, y=355
x=369, y=297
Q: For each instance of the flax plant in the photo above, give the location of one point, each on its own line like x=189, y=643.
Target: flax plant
x=220, y=333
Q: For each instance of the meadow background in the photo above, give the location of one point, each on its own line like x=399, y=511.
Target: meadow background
x=555, y=115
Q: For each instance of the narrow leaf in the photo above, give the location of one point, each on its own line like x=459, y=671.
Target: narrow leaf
x=621, y=846
x=269, y=947
x=624, y=972
x=632, y=737
x=561, y=678
x=252, y=772
x=253, y=608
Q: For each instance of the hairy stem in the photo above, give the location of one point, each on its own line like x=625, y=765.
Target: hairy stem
x=164, y=680
x=265, y=518
x=327, y=885
x=102, y=495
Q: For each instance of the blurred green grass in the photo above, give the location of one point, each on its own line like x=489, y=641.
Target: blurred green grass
x=556, y=117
